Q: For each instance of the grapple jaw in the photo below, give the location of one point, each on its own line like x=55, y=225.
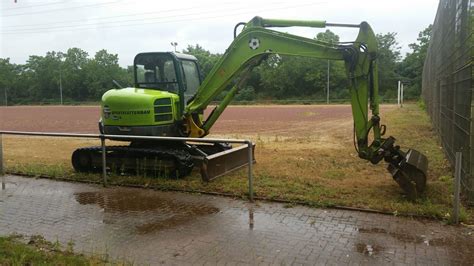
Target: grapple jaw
x=409, y=171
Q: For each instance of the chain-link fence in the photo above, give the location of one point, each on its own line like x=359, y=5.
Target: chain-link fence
x=447, y=84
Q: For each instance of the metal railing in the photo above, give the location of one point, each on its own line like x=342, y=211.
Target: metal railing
x=103, y=138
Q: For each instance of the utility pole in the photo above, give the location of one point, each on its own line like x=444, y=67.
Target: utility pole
x=174, y=44
x=327, y=90
x=61, y=84
x=60, y=57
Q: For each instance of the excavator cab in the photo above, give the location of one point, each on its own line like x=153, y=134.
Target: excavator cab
x=172, y=72
x=164, y=83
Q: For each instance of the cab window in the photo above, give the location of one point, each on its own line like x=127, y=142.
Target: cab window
x=191, y=76
x=156, y=71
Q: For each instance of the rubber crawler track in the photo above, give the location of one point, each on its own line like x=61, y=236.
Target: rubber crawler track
x=183, y=163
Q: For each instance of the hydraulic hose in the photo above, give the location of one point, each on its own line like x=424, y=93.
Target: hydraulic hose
x=236, y=26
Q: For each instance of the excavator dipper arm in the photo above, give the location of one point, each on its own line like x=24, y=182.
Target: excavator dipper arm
x=256, y=42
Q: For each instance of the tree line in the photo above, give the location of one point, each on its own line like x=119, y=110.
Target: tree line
x=77, y=77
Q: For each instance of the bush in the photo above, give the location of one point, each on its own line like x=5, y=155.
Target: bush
x=246, y=94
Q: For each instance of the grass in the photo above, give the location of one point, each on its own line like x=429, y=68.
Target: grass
x=37, y=251
x=318, y=166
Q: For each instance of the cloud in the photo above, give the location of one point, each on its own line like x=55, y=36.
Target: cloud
x=127, y=27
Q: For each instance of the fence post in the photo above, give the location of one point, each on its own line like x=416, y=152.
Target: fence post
x=401, y=96
x=104, y=162
x=457, y=186
x=2, y=171
x=250, y=157
x=398, y=93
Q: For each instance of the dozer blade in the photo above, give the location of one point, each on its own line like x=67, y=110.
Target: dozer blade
x=221, y=163
x=410, y=173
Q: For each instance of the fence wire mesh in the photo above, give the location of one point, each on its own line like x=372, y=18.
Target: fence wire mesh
x=447, y=84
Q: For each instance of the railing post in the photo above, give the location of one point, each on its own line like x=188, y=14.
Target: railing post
x=457, y=186
x=250, y=176
x=104, y=160
x=2, y=171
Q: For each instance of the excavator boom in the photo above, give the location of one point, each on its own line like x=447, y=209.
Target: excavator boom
x=256, y=42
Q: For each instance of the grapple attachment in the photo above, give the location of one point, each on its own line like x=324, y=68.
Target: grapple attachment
x=410, y=172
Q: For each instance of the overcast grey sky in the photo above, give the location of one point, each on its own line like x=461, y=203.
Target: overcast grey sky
x=127, y=27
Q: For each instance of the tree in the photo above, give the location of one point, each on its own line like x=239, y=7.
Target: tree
x=278, y=77
x=284, y=77
x=411, y=68
x=74, y=74
x=100, y=73
x=7, y=78
x=338, y=83
x=206, y=59
x=41, y=75
x=83, y=78
x=387, y=60
x=328, y=37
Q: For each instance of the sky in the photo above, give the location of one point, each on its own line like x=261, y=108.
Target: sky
x=128, y=27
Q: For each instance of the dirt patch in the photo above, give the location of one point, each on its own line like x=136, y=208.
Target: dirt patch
x=80, y=119
x=273, y=119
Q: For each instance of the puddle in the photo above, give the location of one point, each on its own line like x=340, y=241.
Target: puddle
x=367, y=249
x=407, y=238
x=152, y=210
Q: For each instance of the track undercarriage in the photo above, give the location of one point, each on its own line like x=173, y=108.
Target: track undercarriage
x=156, y=159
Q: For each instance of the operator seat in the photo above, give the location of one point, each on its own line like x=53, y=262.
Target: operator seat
x=149, y=77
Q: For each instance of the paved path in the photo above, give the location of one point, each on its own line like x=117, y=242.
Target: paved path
x=150, y=227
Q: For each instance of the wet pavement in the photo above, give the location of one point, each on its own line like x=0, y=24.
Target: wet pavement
x=151, y=227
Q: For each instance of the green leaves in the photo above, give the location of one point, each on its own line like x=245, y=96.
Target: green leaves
x=86, y=78
x=283, y=77
x=82, y=78
x=206, y=59
x=411, y=68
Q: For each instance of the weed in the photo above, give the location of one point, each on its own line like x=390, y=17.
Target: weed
x=421, y=103
x=70, y=246
x=38, y=251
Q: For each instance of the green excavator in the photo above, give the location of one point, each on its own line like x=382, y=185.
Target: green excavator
x=169, y=99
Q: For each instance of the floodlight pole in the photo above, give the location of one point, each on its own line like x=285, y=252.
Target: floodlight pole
x=174, y=44
x=398, y=93
x=61, y=84
x=61, y=57
x=327, y=97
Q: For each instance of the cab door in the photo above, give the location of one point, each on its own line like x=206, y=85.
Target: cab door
x=192, y=78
